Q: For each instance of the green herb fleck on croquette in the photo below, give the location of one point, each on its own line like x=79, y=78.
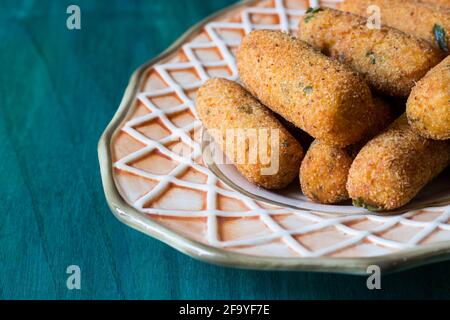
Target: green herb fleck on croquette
x=310, y=13
x=372, y=56
x=308, y=89
x=360, y=203
x=440, y=37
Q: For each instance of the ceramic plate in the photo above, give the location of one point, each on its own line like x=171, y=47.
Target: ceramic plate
x=157, y=178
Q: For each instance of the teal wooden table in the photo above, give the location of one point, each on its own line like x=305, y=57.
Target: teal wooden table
x=58, y=90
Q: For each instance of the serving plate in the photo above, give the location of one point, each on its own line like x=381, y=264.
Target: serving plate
x=156, y=178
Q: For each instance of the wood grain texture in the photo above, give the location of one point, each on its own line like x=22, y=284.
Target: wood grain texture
x=59, y=89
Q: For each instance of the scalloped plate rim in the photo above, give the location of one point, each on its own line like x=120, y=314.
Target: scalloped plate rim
x=128, y=215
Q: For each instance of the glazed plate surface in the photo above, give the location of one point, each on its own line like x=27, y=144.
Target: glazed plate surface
x=156, y=178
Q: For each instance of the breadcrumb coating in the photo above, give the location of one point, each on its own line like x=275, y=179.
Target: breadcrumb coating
x=394, y=166
x=324, y=170
x=442, y=3
x=318, y=94
x=428, y=106
x=389, y=60
x=224, y=105
x=413, y=17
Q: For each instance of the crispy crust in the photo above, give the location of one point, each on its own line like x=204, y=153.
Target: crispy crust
x=394, y=166
x=324, y=170
x=428, y=106
x=412, y=17
x=319, y=95
x=389, y=60
x=442, y=3
x=222, y=105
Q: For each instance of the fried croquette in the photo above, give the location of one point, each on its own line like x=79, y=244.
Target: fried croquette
x=442, y=3
x=389, y=60
x=318, y=94
x=394, y=166
x=224, y=105
x=324, y=170
x=420, y=19
x=428, y=106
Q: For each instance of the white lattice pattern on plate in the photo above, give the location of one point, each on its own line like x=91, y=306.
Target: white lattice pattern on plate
x=317, y=234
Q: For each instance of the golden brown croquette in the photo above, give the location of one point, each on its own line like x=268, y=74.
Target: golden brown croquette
x=223, y=105
x=324, y=170
x=420, y=19
x=389, y=60
x=318, y=94
x=394, y=166
x=428, y=106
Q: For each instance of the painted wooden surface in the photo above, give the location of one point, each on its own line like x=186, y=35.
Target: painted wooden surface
x=58, y=90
